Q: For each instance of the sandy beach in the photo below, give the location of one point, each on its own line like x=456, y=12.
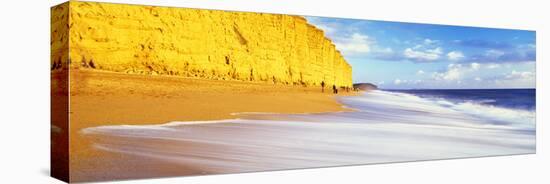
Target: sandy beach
x=384, y=127
x=106, y=98
x=128, y=126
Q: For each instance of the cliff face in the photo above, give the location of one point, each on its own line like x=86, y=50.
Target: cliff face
x=209, y=44
x=59, y=40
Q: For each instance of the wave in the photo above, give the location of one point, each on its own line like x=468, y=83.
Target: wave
x=487, y=114
x=386, y=127
x=517, y=117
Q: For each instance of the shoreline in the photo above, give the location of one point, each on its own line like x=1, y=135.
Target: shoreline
x=103, y=98
x=384, y=124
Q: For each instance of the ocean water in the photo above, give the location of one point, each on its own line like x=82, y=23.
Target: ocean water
x=505, y=98
x=386, y=126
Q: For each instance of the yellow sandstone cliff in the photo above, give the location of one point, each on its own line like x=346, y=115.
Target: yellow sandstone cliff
x=210, y=44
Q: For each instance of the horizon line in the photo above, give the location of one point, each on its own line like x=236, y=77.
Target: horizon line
x=451, y=88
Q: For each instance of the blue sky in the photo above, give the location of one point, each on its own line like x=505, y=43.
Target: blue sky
x=396, y=55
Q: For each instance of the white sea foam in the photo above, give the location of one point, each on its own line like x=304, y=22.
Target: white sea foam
x=490, y=115
x=387, y=127
x=518, y=117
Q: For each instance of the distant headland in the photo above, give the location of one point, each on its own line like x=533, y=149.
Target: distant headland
x=364, y=86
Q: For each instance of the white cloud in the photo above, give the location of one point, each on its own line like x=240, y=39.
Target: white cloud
x=397, y=81
x=492, y=53
x=452, y=65
x=347, y=38
x=430, y=42
x=449, y=75
x=355, y=44
x=520, y=75
x=493, y=66
x=437, y=50
x=479, y=75
x=453, y=73
x=426, y=55
x=516, y=79
x=420, y=72
x=475, y=66
x=455, y=55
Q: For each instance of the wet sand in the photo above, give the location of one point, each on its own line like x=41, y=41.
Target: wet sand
x=384, y=128
x=105, y=98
